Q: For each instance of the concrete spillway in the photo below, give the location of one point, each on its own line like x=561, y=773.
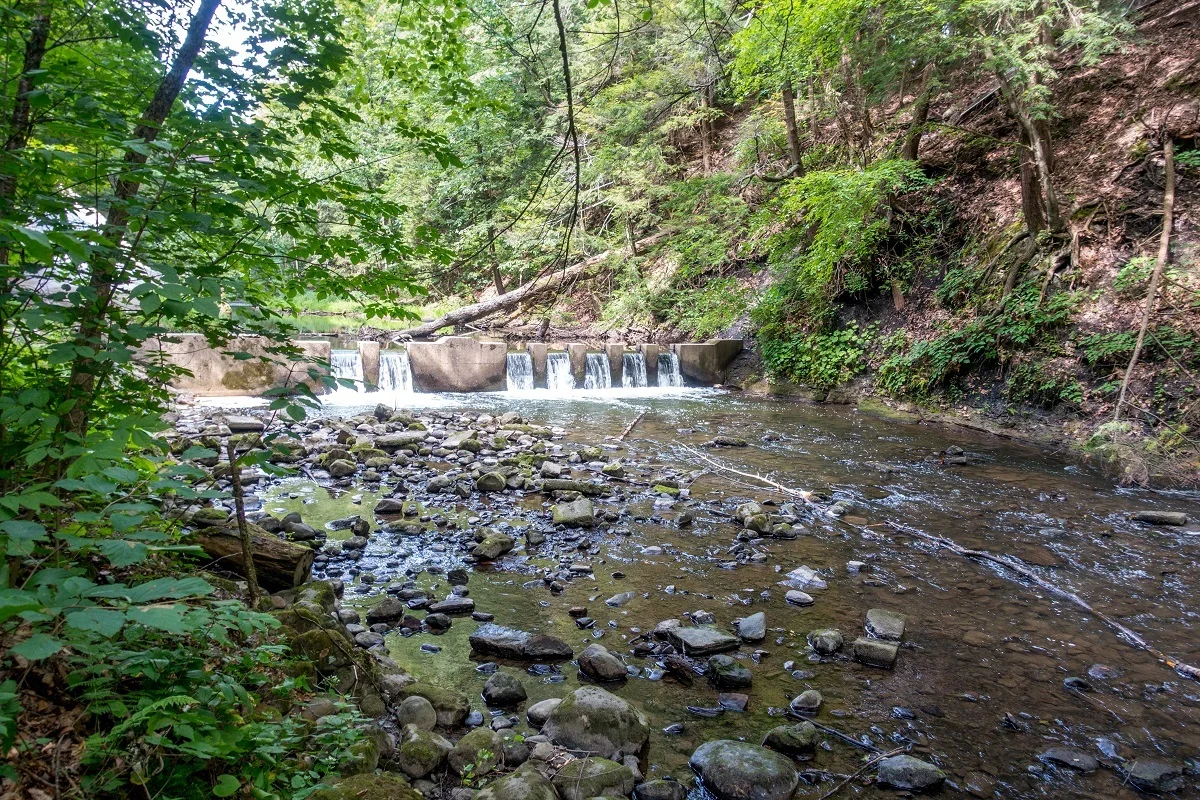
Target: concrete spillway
x=451, y=364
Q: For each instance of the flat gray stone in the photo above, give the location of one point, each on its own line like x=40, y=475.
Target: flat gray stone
x=699, y=641
x=753, y=628
x=1070, y=757
x=884, y=624
x=874, y=652
x=733, y=770
x=910, y=774
x=803, y=578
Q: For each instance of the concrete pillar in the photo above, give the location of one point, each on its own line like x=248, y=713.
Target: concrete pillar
x=537, y=353
x=578, y=355
x=650, y=353
x=616, y=362
x=705, y=363
x=369, y=353
x=458, y=364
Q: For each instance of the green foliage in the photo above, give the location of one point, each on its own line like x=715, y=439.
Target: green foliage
x=1037, y=384
x=1020, y=324
x=820, y=360
x=703, y=312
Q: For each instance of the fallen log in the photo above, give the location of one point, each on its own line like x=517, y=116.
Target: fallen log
x=532, y=290
x=279, y=564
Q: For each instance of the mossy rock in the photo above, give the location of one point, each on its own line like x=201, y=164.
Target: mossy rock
x=367, y=453
x=209, y=516
x=585, y=778
x=526, y=783
x=480, y=748
x=382, y=786
x=452, y=706
x=365, y=753
x=421, y=752
x=877, y=408
x=302, y=618
x=327, y=650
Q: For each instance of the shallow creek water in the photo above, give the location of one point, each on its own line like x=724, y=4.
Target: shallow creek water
x=978, y=687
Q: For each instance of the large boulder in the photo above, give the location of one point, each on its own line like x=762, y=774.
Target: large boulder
x=497, y=640
x=418, y=712
x=524, y=784
x=599, y=664
x=421, y=752
x=743, y=771
x=910, y=774
x=478, y=752
x=451, y=706
x=493, y=546
x=382, y=786
x=539, y=712
x=585, y=778
x=576, y=514
x=598, y=722
x=503, y=690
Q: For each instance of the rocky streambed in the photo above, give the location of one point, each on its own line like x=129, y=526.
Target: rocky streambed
x=534, y=608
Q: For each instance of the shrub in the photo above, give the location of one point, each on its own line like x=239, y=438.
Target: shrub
x=820, y=360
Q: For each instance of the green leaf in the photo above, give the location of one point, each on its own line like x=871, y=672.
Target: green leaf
x=105, y=621
x=37, y=647
x=122, y=552
x=164, y=618
x=227, y=786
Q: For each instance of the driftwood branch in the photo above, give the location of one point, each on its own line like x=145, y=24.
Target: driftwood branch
x=630, y=427
x=1164, y=255
x=787, y=490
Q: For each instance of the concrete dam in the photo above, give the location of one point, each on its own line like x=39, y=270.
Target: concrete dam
x=247, y=365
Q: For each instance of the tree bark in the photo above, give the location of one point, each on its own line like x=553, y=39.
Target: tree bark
x=1031, y=196
x=239, y=510
x=793, y=130
x=530, y=291
x=497, y=278
x=1164, y=255
x=1041, y=149
x=916, y=128
x=279, y=564
x=105, y=274
x=21, y=120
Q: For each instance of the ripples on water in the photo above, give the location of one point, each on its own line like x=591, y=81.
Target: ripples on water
x=980, y=646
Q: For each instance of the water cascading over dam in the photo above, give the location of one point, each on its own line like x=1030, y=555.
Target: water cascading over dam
x=668, y=370
x=633, y=371
x=597, y=374
x=395, y=372
x=520, y=372
x=348, y=365
x=558, y=372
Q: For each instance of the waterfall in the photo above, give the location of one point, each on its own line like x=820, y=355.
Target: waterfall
x=558, y=372
x=395, y=373
x=633, y=370
x=596, y=372
x=347, y=364
x=668, y=370
x=520, y=372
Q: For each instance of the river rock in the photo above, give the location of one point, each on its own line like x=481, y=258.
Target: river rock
x=884, y=624
x=394, y=441
x=421, y=752
x=505, y=642
x=341, y=468
x=743, y=771
x=701, y=641
x=585, y=778
x=493, y=546
x=539, y=712
x=418, y=712
x=753, y=628
x=244, y=424
x=453, y=605
x=792, y=740
x=491, y=482
x=451, y=706
x=726, y=672
x=504, y=690
x=874, y=652
x=1070, y=757
x=803, y=578
x=660, y=790
x=807, y=702
x=576, y=514
x=796, y=597
x=599, y=664
x=389, y=505
x=1155, y=776
x=480, y=748
x=524, y=784
x=1159, y=517
x=595, y=721
x=372, y=785
x=389, y=609
x=910, y=774
x=826, y=641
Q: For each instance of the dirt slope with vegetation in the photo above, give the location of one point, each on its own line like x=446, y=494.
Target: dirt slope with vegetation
x=935, y=299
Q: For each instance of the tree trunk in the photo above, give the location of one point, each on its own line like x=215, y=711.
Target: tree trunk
x=1031, y=196
x=279, y=564
x=1164, y=255
x=897, y=294
x=916, y=128
x=105, y=274
x=793, y=130
x=705, y=132
x=21, y=121
x=497, y=278
x=530, y=291
x=239, y=510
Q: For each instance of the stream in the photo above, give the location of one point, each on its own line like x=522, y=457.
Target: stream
x=991, y=674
